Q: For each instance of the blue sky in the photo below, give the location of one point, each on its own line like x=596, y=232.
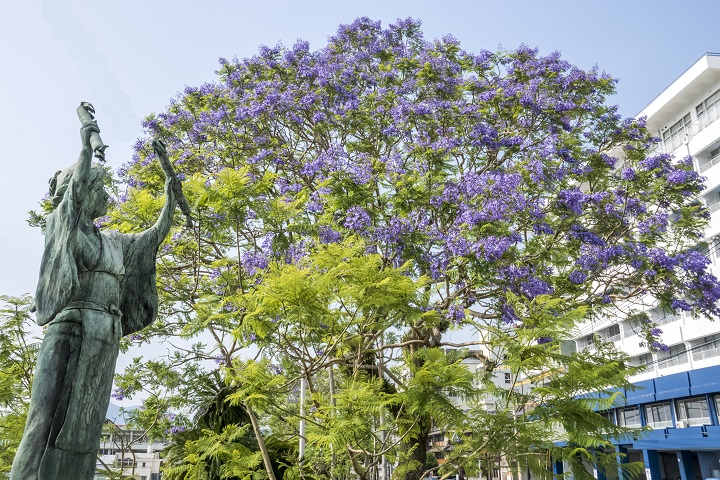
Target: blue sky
x=130, y=57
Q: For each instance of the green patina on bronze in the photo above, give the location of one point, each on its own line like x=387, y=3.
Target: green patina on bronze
x=94, y=287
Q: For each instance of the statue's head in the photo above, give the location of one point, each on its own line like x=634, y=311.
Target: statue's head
x=96, y=199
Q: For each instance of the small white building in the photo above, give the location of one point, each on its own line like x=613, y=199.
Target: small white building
x=129, y=450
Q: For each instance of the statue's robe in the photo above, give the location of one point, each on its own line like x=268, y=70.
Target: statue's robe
x=76, y=363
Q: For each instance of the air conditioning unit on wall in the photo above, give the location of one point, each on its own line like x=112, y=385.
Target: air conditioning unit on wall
x=680, y=424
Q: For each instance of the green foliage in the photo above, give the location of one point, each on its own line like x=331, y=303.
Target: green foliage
x=18, y=352
x=212, y=455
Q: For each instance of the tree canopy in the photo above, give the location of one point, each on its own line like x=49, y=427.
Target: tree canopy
x=356, y=202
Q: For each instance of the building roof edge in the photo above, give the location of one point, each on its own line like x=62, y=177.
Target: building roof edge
x=703, y=56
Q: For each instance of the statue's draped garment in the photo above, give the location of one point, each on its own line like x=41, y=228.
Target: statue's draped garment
x=76, y=363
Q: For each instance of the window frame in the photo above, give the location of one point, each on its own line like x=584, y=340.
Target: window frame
x=661, y=422
x=622, y=420
x=681, y=412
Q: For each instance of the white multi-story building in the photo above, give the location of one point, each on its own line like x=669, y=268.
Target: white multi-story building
x=679, y=398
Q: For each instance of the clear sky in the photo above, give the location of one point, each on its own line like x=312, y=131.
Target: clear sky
x=130, y=57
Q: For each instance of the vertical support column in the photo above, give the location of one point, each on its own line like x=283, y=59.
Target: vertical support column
x=711, y=407
x=652, y=464
x=685, y=464
x=595, y=470
x=622, y=459
x=709, y=461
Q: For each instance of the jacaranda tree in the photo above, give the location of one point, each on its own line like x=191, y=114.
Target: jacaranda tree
x=354, y=203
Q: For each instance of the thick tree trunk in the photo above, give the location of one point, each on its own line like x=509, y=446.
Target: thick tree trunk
x=414, y=449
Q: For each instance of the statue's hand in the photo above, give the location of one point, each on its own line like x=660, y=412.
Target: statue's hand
x=159, y=147
x=86, y=130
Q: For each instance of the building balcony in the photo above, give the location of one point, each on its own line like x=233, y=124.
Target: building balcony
x=710, y=163
x=706, y=354
x=713, y=207
x=613, y=338
x=713, y=227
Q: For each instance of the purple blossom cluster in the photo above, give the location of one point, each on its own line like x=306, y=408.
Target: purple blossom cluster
x=357, y=219
x=525, y=281
x=253, y=262
x=119, y=394
x=482, y=169
x=455, y=313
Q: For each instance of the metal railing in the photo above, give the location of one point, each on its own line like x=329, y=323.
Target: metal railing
x=668, y=319
x=706, y=353
x=714, y=207
x=710, y=163
x=671, y=360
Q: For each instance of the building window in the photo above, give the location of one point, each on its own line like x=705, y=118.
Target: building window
x=707, y=347
x=508, y=378
x=629, y=417
x=693, y=411
x=673, y=136
x=632, y=327
x=717, y=403
x=658, y=415
x=677, y=355
x=663, y=318
x=641, y=360
x=588, y=342
x=612, y=334
x=708, y=110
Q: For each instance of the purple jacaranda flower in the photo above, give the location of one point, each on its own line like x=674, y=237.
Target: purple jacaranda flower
x=573, y=199
x=678, y=304
x=253, y=262
x=655, y=223
x=577, y=277
x=357, y=219
x=328, y=235
x=680, y=176
x=693, y=261
x=627, y=174
x=455, y=313
x=507, y=315
x=118, y=394
x=532, y=287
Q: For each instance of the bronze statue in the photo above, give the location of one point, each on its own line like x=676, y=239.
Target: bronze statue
x=95, y=286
